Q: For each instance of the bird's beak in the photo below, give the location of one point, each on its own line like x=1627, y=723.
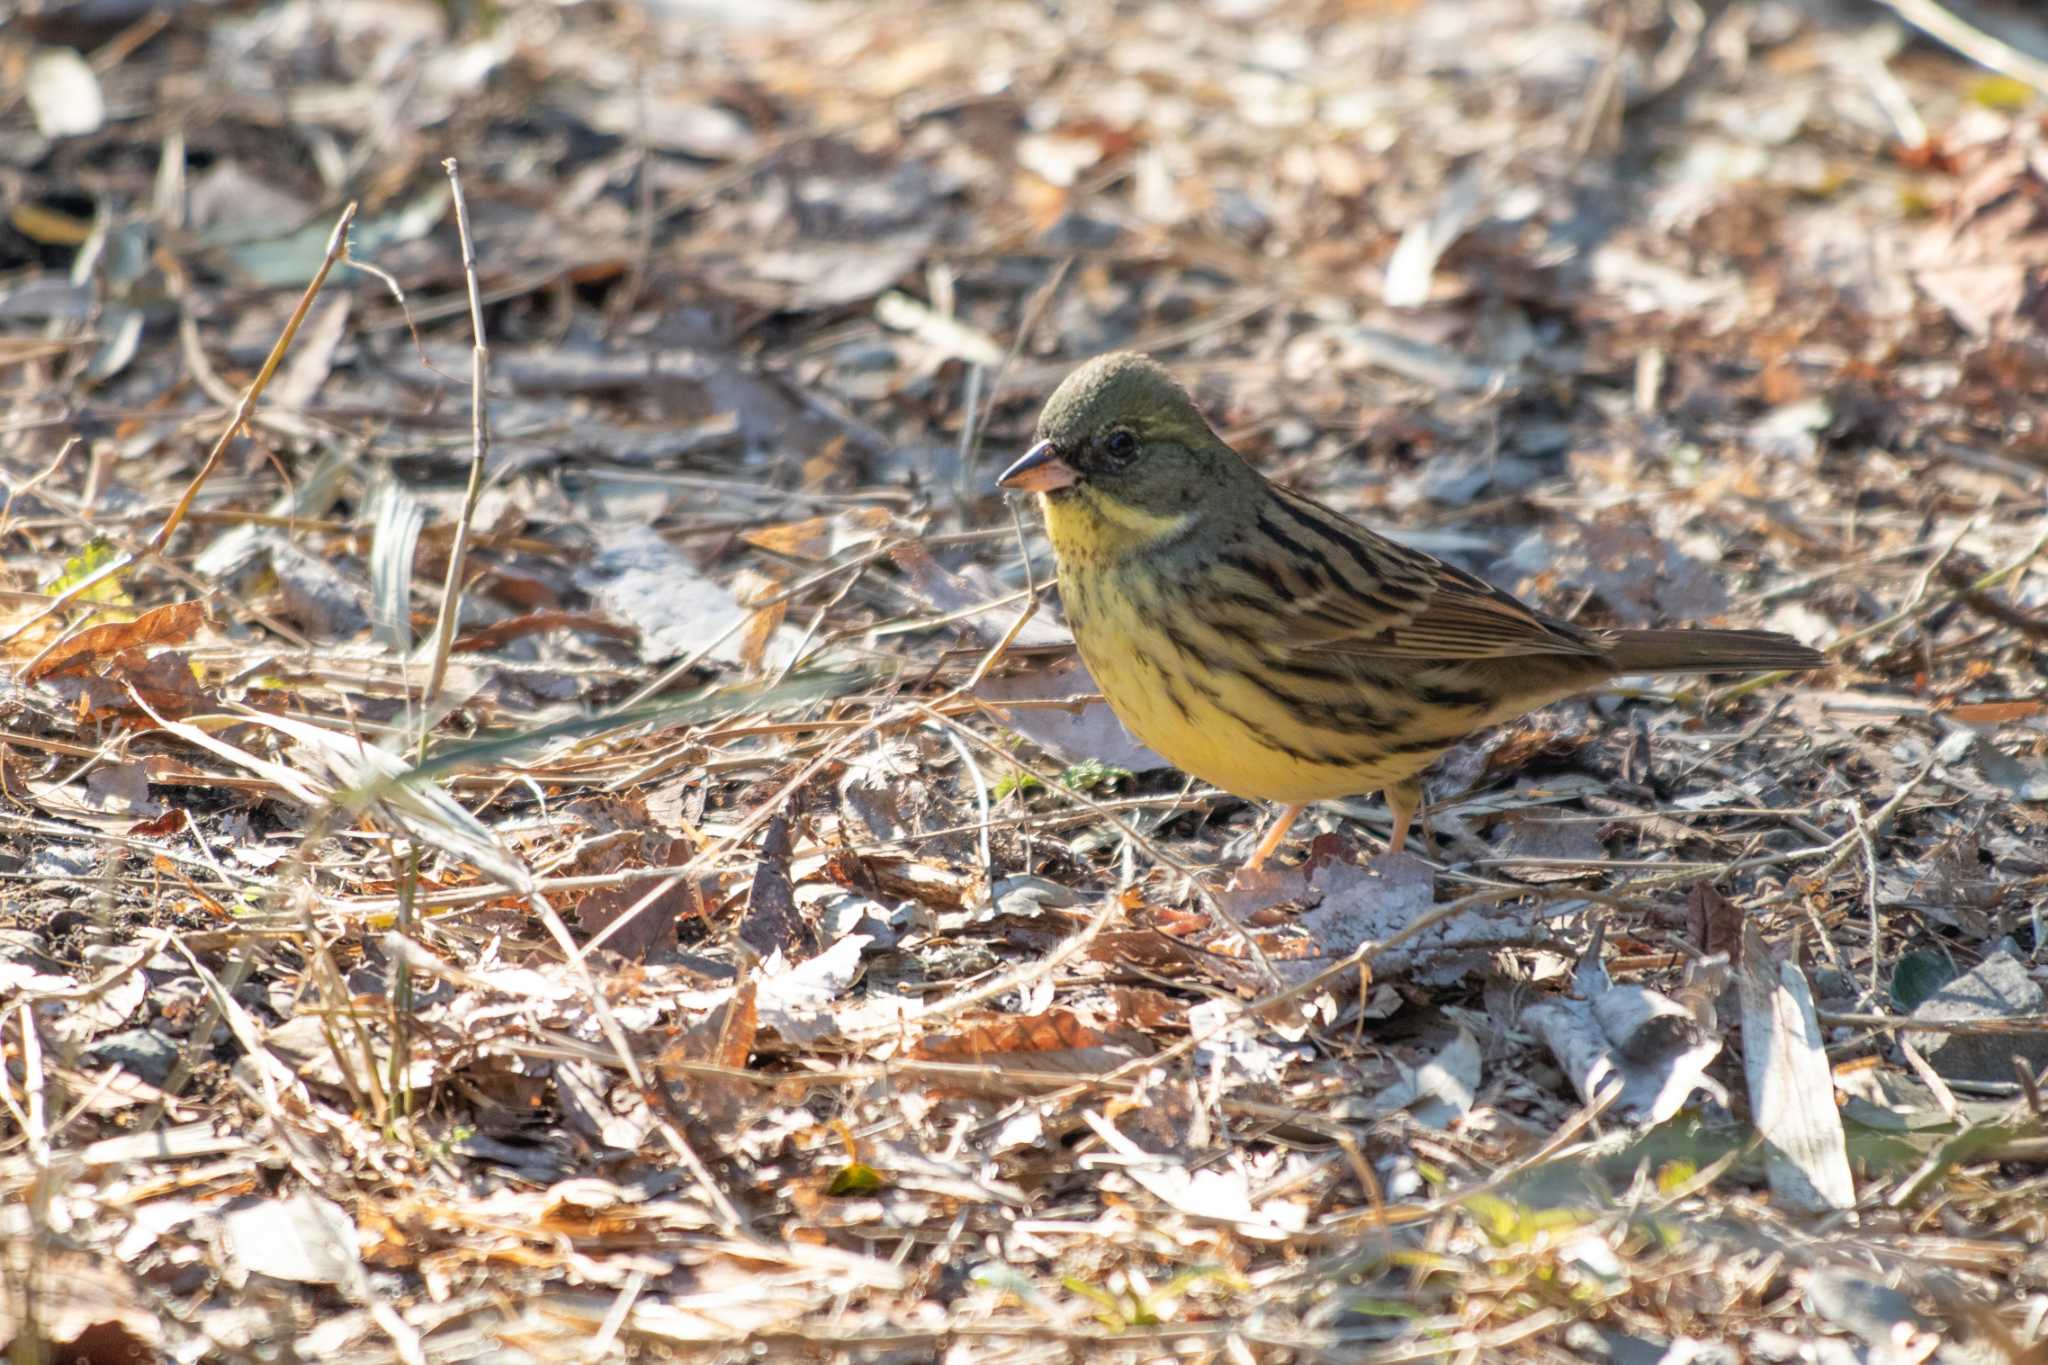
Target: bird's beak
x=1039, y=470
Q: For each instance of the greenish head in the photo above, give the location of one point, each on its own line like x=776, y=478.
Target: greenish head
x=1121, y=434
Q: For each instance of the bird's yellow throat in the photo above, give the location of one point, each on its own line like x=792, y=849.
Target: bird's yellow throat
x=1089, y=527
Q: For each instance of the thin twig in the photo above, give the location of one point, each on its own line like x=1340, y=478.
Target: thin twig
x=337, y=246
x=479, y=452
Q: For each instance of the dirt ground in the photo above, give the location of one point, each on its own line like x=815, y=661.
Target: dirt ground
x=623, y=861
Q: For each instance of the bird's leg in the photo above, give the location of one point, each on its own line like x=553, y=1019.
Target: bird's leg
x=1267, y=845
x=1404, y=799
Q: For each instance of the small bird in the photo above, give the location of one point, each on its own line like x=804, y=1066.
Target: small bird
x=1275, y=648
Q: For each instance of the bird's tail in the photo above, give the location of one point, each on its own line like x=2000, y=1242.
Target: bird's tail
x=1707, y=651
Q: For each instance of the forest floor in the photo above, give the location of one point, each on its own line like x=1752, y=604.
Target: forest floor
x=728, y=923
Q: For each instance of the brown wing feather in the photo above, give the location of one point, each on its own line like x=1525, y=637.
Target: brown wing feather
x=1389, y=601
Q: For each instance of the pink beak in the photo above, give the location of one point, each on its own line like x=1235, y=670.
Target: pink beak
x=1039, y=470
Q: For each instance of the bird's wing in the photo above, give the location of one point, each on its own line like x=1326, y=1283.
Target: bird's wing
x=1359, y=594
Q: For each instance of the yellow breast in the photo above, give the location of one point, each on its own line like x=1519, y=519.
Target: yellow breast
x=1188, y=694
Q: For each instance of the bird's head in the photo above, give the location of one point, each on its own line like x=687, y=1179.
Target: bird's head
x=1124, y=461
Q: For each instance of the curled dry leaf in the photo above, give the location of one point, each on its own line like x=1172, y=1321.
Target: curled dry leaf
x=1141, y=1007
x=172, y=624
x=995, y=1034
x=1639, y=1043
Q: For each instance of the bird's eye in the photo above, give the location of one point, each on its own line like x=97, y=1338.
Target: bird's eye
x=1120, y=445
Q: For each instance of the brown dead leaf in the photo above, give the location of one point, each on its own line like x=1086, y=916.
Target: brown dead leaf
x=501, y=633
x=1057, y=1040
x=806, y=539
x=163, y=681
x=829, y=467
x=172, y=624
x=1992, y=713
x=758, y=632
x=1141, y=1007
x=1523, y=746
x=723, y=1038
x=1043, y=202
x=1048, y=1032
x=519, y=588
x=652, y=929
x=1715, y=921
x=383, y=1240
x=1987, y=259
x=771, y=921
x=817, y=538
x=170, y=822
x=1145, y=948
x=1181, y=923
x=930, y=882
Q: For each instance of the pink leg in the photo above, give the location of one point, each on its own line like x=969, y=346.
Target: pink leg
x=1271, y=843
x=1404, y=801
